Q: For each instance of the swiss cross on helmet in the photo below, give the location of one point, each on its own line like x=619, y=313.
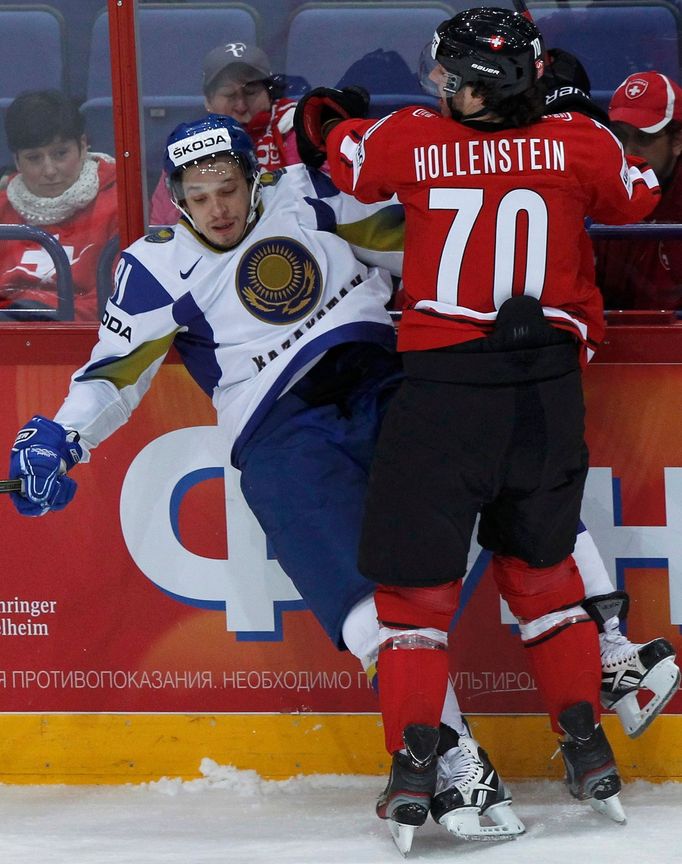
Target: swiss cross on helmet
x=211, y=136
x=491, y=46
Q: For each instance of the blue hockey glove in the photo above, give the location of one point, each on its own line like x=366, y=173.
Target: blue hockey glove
x=315, y=109
x=42, y=454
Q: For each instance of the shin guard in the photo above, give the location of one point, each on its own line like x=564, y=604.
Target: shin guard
x=560, y=637
x=413, y=659
x=567, y=668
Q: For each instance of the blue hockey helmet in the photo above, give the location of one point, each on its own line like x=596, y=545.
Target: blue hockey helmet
x=212, y=135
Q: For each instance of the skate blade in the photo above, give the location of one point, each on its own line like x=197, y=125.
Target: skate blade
x=402, y=836
x=609, y=807
x=663, y=681
x=462, y=822
x=505, y=820
x=465, y=823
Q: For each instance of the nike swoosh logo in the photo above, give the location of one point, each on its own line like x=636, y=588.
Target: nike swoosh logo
x=188, y=273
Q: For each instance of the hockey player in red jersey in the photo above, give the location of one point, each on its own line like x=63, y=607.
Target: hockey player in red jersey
x=501, y=311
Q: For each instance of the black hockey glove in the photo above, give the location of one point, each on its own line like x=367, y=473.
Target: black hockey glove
x=567, y=99
x=566, y=87
x=316, y=109
x=564, y=69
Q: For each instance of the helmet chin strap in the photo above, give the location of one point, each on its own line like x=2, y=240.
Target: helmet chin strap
x=476, y=115
x=256, y=190
x=185, y=213
x=457, y=115
x=252, y=215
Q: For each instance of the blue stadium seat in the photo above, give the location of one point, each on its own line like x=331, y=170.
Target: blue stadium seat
x=78, y=16
x=22, y=68
x=613, y=39
x=173, y=41
x=326, y=39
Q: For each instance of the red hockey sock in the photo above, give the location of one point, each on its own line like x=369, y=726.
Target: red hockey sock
x=412, y=685
x=567, y=668
x=413, y=657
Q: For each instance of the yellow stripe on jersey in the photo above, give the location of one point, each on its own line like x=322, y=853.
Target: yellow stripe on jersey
x=125, y=371
x=383, y=231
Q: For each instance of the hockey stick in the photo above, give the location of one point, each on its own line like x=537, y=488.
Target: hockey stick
x=522, y=9
x=11, y=485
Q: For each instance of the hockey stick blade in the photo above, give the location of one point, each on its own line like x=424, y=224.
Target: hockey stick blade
x=11, y=485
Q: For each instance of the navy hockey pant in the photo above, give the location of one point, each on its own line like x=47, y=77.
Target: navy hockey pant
x=304, y=475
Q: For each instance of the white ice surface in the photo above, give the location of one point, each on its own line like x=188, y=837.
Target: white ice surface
x=238, y=818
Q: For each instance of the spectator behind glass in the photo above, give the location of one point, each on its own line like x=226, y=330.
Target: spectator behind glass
x=238, y=83
x=646, y=114
x=61, y=188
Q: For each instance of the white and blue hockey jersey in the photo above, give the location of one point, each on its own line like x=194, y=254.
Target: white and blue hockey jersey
x=247, y=322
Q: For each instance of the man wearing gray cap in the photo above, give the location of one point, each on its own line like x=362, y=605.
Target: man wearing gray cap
x=238, y=82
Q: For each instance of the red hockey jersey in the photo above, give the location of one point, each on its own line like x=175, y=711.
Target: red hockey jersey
x=26, y=269
x=492, y=212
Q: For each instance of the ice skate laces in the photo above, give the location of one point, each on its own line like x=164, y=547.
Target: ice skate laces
x=615, y=648
x=459, y=767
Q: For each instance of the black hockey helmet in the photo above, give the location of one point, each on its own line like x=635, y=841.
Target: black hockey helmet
x=489, y=46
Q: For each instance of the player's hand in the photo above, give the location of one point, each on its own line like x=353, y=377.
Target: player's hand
x=316, y=109
x=566, y=87
x=571, y=100
x=42, y=454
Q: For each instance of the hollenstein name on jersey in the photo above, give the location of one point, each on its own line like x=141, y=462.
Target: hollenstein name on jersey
x=496, y=156
x=202, y=144
x=261, y=361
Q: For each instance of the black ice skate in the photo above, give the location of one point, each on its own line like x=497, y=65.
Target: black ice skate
x=471, y=799
x=407, y=797
x=629, y=670
x=591, y=773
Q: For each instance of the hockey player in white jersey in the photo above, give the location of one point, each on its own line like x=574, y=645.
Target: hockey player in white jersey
x=286, y=330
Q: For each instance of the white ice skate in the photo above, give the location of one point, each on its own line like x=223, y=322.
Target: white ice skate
x=630, y=672
x=471, y=800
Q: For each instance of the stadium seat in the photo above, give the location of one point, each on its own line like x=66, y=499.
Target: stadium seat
x=173, y=41
x=613, y=39
x=64, y=279
x=21, y=69
x=78, y=16
x=326, y=39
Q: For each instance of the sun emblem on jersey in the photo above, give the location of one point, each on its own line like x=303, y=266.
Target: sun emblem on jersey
x=279, y=281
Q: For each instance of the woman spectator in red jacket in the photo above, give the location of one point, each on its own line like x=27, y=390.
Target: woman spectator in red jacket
x=62, y=188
